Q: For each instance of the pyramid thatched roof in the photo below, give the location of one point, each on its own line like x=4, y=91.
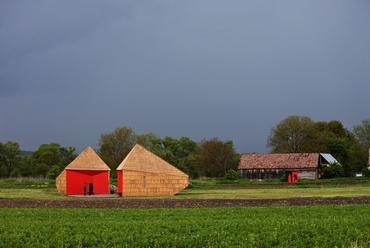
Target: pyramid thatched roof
x=88, y=160
x=140, y=159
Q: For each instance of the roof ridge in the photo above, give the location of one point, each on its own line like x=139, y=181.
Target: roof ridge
x=88, y=159
x=141, y=159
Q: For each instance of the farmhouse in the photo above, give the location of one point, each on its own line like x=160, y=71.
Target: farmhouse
x=266, y=166
x=142, y=173
x=87, y=167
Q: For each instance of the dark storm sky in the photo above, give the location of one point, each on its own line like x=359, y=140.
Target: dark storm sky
x=72, y=70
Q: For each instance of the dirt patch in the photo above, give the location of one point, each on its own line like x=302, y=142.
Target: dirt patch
x=179, y=203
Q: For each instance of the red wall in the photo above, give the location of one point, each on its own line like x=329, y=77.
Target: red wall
x=120, y=182
x=76, y=178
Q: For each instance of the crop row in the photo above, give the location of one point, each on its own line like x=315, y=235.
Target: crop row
x=311, y=226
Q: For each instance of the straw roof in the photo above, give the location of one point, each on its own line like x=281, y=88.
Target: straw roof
x=140, y=159
x=88, y=160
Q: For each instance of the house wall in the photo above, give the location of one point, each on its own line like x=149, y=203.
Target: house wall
x=76, y=178
x=137, y=183
x=275, y=173
x=307, y=174
x=262, y=173
x=60, y=182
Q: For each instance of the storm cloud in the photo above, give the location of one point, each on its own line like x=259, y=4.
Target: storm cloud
x=72, y=70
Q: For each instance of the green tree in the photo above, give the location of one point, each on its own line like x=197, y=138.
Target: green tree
x=177, y=152
x=28, y=166
x=293, y=134
x=115, y=146
x=47, y=155
x=180, y=153
x=335, y=139
x=362, y=133
x=3, y=170
x=66, y=156
x=53, y=172
x=339, y=148
x=215, y=157
x=357, y=159
x=9, y=156
x=323, y=129
x=152, y=142
x=54, y=154
x=301, y=134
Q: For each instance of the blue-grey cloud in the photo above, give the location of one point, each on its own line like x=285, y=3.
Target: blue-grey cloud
x=73, y=70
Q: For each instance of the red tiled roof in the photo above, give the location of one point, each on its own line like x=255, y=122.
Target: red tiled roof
x=279, y=161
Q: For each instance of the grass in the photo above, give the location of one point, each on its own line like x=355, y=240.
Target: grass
x=274, y=193
x=220, y=183
x=26, y=188
x=31, y=193
x=24, y=183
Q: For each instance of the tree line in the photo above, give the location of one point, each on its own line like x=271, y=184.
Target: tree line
x=209, y=157
x=302, y=134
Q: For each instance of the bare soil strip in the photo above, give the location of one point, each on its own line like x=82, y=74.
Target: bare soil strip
x=179, y=203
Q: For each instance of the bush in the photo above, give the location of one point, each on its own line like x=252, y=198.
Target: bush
x=232, y=175
x=283, y=178
x=53, y=172
x=333, y=171
x=366, y=171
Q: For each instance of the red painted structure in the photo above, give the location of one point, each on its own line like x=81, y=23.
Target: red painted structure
x=292, y=176
x=120, y=182
x=76, y=179
x=85, y=168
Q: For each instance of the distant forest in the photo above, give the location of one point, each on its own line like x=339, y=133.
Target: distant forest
x=207, y=158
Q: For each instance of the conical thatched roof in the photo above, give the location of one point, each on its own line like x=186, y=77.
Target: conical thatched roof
x=140, y=159
x=88, y=160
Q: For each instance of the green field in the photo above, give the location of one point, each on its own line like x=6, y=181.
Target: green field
x=274, y=226
x=314, y=226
